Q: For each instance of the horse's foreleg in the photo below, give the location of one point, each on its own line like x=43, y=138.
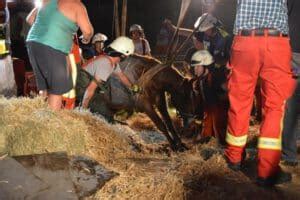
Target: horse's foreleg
x=162, y=107
x=150, y=111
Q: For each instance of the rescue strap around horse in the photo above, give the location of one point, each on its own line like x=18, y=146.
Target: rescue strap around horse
x=99, y=84
x=144, y=46
x=92, y=78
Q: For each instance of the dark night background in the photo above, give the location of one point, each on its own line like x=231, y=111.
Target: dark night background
x=149, y=14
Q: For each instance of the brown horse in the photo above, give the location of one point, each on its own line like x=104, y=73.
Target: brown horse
x=155, y=79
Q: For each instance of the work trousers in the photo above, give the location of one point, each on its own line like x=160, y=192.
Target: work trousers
x=267, y=57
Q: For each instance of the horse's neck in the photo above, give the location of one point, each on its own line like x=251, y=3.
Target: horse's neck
x=175, y=81
x=134, y=69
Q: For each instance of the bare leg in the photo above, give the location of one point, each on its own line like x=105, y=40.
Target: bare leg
x=55, y=101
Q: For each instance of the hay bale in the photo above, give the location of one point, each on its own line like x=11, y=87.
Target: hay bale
x=29, y=127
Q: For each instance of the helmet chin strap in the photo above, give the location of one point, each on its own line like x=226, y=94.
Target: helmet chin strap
x=111, y=52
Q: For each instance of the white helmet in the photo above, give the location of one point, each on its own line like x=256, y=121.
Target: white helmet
x=201, y=57
x=135, y=27
x=99, y=37
x=123, y=45
x=207, y=22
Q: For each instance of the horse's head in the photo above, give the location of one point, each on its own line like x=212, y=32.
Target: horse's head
x=188, y=102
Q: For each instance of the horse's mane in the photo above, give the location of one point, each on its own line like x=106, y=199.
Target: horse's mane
x=151, y=61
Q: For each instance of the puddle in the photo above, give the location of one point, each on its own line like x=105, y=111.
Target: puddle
x=51, y=176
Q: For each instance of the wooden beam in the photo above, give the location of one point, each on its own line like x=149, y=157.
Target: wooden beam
x=124, y=18
x=116, y=18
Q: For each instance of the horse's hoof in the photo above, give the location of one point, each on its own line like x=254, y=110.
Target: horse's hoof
x=181, y=147
x=178, y=147
x=174, y=147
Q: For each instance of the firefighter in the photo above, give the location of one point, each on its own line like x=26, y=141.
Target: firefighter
x=213, y=37
x=200, y=61
x=141, y=44
x=98, y=42
x=91, y=79
x=260, y=49
x=214, y=97
x=8, y=86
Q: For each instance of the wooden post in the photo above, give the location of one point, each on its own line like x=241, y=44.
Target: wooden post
x=116, y=18
x=124, y=18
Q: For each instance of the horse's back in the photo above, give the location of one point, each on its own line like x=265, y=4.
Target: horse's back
x=135, y=65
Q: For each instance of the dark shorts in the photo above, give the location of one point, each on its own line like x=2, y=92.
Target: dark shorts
x=50, y=68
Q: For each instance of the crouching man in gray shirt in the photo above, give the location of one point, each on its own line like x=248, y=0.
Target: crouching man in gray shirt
x=101, y=67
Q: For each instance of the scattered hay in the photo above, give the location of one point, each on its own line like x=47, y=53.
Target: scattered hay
x=144, y=171
x=148, y=186
x=140, y=122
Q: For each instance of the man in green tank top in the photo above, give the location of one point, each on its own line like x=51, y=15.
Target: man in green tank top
x=49, y=41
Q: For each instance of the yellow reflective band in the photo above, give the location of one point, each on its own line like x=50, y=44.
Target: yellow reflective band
x=3, y=49
x=72, y=93
x=223, y=32
x=273, y=143
x=269, y=143
x=74, y=68
x=236, y=141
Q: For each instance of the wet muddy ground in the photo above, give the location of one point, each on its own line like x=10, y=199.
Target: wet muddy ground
x=211, y=179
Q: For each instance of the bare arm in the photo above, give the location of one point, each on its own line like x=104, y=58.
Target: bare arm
x=84, y=23
x=89, y=93
x=124, y=79
x=31, y=16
